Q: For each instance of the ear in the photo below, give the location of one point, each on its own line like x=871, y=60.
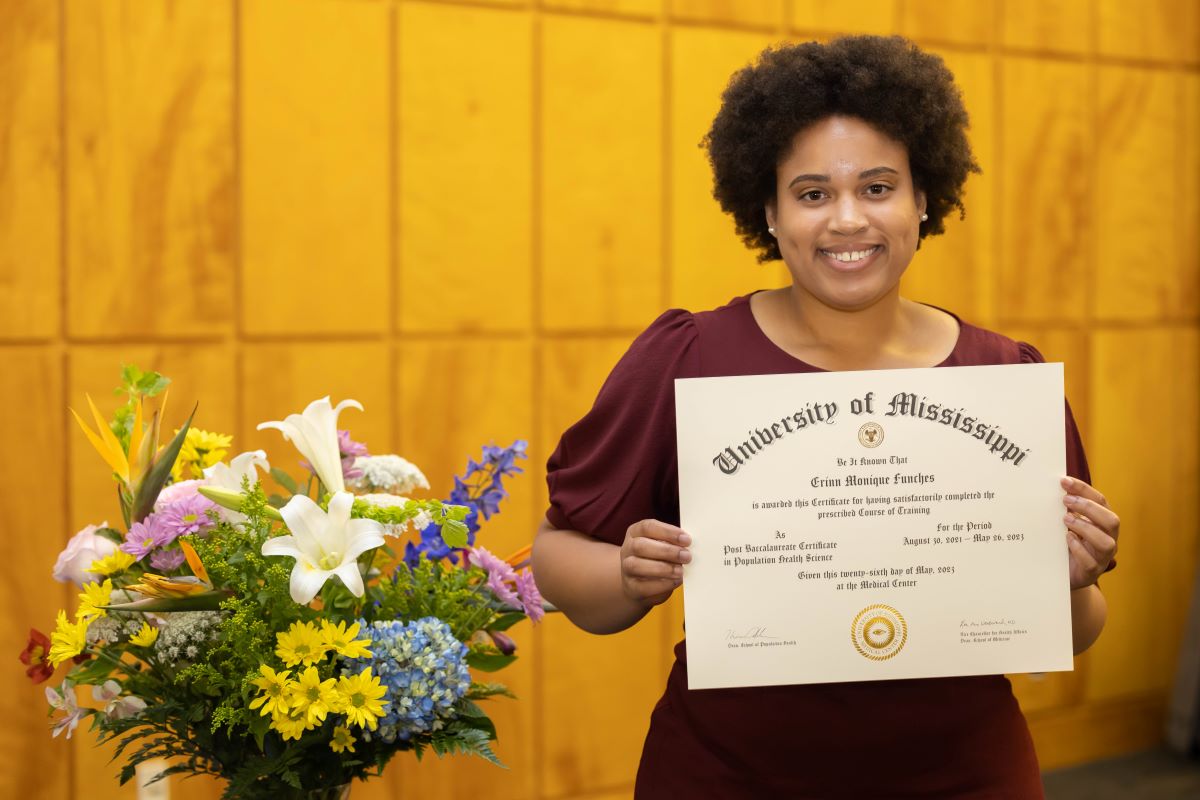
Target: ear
x=919, y=198
x=769, y=208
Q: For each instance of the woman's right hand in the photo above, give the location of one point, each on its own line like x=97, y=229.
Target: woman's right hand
x=652, y=559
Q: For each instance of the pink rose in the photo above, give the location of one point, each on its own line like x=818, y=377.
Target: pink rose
x=84, y=548
x=176, y=491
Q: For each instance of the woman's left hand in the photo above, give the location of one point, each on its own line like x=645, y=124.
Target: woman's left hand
x=1092, y=530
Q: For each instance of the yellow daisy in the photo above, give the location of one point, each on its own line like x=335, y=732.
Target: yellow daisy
x=144, y=637
x=95, y=596
x=201, y=449
x=119, y=561
x=342, y=740
x=313, y=696
x=292, y=724
x=341, y=640
x=68, y=640
x=302, y=643
x=360, y=699
x=276, y=691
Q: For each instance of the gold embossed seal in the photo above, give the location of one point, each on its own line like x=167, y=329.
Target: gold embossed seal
x=878, y=632
x=870, y=434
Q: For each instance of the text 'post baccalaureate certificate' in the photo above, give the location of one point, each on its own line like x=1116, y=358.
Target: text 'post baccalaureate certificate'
x=854, y=526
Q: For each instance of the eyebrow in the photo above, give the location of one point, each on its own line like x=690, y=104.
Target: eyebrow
x=815, y=178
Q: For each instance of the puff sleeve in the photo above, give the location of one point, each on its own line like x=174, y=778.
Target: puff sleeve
x=618, y=464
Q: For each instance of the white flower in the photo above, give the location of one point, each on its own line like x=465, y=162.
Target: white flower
x=84, y=548
x=383, y=500
x=324, y=544
x=65, y=702
x=315, y=435
x=229, y=476
x=389, y=473
x=117, y=707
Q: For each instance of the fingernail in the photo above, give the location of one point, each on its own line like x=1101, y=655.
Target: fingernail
x=677, y=570
x=684, y=539
x=1069, y=518
x=1070, y=499
x=685, y=556
x=1066, y=482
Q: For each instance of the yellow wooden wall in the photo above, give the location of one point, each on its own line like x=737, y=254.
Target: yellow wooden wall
x=461, y=213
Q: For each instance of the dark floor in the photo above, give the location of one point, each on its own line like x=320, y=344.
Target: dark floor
x=1153, y=775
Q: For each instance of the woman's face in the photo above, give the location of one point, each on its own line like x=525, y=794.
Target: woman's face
x=846, y=213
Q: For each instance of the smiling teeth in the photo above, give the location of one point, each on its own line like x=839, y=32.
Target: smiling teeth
x=857, y=255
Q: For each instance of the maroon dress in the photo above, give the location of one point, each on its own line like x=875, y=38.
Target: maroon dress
x=939, y=737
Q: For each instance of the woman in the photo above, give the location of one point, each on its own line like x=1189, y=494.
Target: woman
x=838, y=158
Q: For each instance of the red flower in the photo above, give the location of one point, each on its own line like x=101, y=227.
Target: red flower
x=34, y=655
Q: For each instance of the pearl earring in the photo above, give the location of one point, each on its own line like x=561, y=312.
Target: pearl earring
x=771, y=231
x=924, y=218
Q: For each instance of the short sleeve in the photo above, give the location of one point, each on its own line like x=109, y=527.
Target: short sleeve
x=1077, y=466
x=618, y=464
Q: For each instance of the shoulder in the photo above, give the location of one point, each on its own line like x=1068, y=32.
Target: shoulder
x=978, y=345
x=675, y=337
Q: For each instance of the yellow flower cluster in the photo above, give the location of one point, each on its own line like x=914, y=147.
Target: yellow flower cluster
x=300, y=704
x=70, y=638
x=201, y=449
x=303, y=643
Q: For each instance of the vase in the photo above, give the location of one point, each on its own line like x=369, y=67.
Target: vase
x=341, y=792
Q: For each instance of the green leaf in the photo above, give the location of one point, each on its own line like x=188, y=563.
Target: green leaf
x=156, y=477
x=454, y=533
x=505, y=621
x=204, y=601
x=489, y=662
x=284, y=480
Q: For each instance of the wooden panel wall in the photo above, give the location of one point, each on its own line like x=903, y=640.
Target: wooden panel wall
x=461, y=213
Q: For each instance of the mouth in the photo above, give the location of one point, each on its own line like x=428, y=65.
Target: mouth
x=847, y=260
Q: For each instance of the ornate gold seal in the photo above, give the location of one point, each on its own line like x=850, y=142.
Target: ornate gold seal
x=878, y=632
x=870, y=434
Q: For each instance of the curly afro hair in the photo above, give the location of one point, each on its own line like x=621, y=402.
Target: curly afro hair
x=885, y=81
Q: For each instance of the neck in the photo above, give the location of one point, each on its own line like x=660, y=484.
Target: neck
x=849, y=334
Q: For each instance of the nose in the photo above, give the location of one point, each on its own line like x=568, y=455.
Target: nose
x=847, y=217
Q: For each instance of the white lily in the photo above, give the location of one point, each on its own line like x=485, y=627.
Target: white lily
x=315, y=435
x=229, y=476
x=324, y=544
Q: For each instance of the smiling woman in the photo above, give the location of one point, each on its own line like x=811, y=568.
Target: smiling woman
x=839, y=159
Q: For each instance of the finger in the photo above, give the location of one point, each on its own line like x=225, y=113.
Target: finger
x=653, y=589
x=656, y=529
x=635, y=567
x=1081, y=555
x=1078, y=487
x=1103, y=516
x=657, y=550
x=1099, y=542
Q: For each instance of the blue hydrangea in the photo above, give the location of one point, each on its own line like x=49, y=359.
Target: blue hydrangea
x=424, y=670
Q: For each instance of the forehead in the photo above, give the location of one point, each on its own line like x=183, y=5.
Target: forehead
x=843, y=145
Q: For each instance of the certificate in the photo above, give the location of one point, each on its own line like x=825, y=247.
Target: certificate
x=857, y=526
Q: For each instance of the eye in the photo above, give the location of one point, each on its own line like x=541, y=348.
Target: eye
x=878, y=189
x=812, y=195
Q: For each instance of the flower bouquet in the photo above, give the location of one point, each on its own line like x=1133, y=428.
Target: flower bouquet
x=280, y=642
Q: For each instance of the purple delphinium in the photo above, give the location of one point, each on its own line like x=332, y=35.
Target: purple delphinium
x=145, y=536
x=187, y=516
x=480, y=489
x=500, y=575
x=167, y=560
x=531, y=598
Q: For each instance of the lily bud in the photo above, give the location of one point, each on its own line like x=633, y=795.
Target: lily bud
x=227, y=498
